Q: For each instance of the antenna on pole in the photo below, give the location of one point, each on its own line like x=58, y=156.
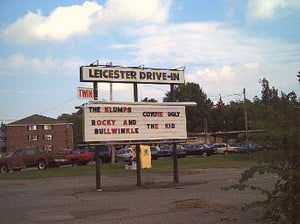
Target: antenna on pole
x=95, y=63
x=110, y=85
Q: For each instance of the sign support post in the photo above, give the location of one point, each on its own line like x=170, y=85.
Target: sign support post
x=175, y=161
x=175, y=164
x=98, y=162
x=137, y=146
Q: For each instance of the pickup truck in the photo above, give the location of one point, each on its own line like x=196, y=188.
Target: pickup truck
x=24, y=158
x=73, y=157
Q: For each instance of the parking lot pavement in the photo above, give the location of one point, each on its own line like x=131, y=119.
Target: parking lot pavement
x=198, y=198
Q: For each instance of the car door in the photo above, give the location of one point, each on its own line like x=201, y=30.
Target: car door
x=16, y=160
x=221, y=148
x=30, y=156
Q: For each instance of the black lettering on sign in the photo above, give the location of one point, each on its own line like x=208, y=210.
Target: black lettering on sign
x=94, y=109
x=173, y=114
x=153, y=114
x=152, y=126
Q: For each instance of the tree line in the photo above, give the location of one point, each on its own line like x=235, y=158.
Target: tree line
x=209, y=117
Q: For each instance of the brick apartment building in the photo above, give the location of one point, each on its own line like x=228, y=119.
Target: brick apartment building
x=37, y=131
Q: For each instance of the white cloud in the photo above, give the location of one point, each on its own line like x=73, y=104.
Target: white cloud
x=60, y=25
x=65, y=22
x=202, y=44
x=268, y=9
x=221, y=58
x=228, y=81
x=68, y=21
x=149, y=11
x=194, y=43
x=22, y=65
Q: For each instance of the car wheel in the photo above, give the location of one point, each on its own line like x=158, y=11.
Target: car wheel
x=3, y=168
x=18, y=169
x=204, y=154
x=75, y=163
x=41, y=164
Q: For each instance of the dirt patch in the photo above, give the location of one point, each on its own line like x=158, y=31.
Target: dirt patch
x=82, y=214
x=194, y=203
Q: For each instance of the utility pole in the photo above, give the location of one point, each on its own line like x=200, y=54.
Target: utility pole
x=111, y=147
x=110, y=85
x=246, y=116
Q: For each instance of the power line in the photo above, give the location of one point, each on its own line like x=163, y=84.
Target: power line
x=59, y=105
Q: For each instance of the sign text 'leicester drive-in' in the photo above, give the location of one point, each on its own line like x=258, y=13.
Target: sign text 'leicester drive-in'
x=131, y=75
x=117, y=122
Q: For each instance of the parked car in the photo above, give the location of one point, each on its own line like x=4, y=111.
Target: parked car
x=102, y=150
x=74, y=157
x=224, y=148
x=251, y=147
x=155, y=152
x=200, y=149
x=167, y=151
x=125, y=154
x=23, y=158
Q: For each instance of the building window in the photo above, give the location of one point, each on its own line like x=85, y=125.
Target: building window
x=48, y=148
x=33, y=137
x=32, y=127
x=47, y=127
x=48, y=137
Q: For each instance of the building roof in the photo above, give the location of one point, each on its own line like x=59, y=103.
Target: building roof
x=36, y=119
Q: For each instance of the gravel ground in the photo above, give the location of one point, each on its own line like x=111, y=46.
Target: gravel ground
x=198, y=198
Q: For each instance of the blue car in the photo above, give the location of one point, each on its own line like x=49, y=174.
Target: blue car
x=200, y=149
x=251, y=147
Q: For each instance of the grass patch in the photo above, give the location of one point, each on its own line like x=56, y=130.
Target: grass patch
x=158, y=166
x=197, y=162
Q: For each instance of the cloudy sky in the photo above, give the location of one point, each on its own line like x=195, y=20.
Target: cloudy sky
x=225, y=46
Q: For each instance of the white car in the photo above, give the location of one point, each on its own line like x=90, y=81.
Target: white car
x=124, y=154
x=224, y=148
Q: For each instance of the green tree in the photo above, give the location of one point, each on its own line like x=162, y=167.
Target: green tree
x=146, y=99
x=280, y=118
x=197, y=116
x=269, y=96
x=75, y=118
x=218, y=121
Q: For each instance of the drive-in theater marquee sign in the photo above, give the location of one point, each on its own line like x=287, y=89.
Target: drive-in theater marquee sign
x=131, y=75
x=134, y=121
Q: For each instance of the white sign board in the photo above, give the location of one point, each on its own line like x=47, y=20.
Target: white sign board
x=85, y=93
x=131, y=75
x=130, y=122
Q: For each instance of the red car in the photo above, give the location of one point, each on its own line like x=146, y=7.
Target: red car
x=73, y=157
